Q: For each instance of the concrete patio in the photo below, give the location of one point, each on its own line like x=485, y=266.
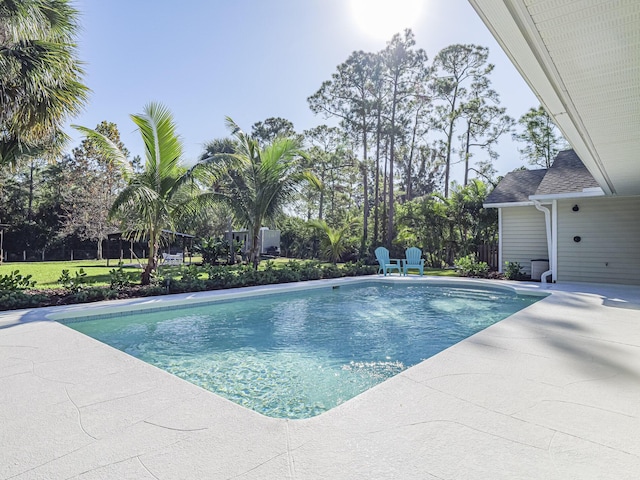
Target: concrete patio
x=552, y=392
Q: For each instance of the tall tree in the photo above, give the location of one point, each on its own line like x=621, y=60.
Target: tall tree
x=420, y=108
x=272, y=128
x=456, y=66
x=329, y=159
x=540, y=136
x=40, y=85
x=163, y=192
x=257, y=181
x=348, y=96
x=404, y=69
x=30, y=198
x=485, y=122
x=96, y=181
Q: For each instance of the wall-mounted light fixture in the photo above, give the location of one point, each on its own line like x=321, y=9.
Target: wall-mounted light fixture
x=575, y=208
x=577, y=239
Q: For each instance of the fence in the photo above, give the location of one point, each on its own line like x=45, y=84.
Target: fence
x=488, y=252
x=110, y=250
x=48, y=255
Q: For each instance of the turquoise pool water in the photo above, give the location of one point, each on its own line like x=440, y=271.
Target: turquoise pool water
x=296, y=355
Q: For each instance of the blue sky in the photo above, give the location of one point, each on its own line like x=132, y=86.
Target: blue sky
x=254, y=59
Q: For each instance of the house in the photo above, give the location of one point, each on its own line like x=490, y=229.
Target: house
x=580, y=59
x=561, y=214
x=269, y=240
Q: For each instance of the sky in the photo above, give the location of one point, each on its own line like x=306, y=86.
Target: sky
x=255, y=59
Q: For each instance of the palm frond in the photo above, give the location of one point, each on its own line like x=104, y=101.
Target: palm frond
x=163, y=147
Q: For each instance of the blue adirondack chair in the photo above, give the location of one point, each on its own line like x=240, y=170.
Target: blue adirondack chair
x=413, y=260
x=386, y=264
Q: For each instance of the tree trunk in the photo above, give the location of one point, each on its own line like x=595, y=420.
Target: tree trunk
x=321, y=201
x=152, y=260
x=384, y=192
x=30, y=207
x=452, y=121
x=376, y=194
x=254, y=252
x=365, y=187
x=232, y=253
x=411, y=152
x=466, y=155
x=390, y=229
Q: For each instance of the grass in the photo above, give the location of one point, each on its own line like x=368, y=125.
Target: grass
x=46, y=274
x=441, y=272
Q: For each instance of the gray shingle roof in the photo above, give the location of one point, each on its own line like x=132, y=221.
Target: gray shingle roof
x=516, y=186
x=567, y=175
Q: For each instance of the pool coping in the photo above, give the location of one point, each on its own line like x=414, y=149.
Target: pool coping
x=497, y=405
x=67, y=313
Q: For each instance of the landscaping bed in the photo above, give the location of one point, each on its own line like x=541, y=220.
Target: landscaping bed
x=18, y=292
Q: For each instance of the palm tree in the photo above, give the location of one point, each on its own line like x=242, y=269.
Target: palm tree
x=40, y=85
x=257, y=181
x=163, y=192
x=334, y=241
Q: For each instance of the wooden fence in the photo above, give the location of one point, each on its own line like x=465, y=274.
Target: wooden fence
x=488, y=252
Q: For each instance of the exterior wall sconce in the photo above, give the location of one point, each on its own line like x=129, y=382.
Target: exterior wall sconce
x=577, y=239
x=575, y=208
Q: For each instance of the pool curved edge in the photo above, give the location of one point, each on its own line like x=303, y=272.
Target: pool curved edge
x=106, y=307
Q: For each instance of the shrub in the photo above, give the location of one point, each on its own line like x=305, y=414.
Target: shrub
x=469, y=267
x=13, y=282
x=331, y=271
x=311, y=270
x=212, y=250
x=286, y=275
x=358, y=268
x=219, y=277
x=190, y=273
x=73, y=284
x=513, y=271
x=92, y=294
x=76, y=289
x=11, y=300
x=118, y=278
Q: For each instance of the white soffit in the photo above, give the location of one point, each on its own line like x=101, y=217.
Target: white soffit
x=582, y=59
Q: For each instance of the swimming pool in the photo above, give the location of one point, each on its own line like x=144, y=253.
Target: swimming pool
x=298, y=354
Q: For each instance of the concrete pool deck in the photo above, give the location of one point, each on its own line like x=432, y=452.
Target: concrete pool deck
x=552, y=392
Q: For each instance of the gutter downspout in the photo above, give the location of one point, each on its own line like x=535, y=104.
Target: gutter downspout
x=500, y=269
x=547, y=221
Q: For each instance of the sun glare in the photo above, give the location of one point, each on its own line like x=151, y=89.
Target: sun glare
x=382, y=18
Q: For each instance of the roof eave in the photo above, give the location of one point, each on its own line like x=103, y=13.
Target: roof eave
x=513, y=28
x=587, y=192
x=508, y=204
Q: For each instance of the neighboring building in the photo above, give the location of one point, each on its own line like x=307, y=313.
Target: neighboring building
x=561, y=214
x=269, y=240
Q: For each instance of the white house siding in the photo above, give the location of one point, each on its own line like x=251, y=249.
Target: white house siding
x=609, y=249
x=524, y=236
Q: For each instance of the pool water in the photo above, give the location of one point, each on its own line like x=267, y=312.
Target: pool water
x=296, y=355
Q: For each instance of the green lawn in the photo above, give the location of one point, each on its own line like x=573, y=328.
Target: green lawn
x=440, y=272
x=46, y=274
